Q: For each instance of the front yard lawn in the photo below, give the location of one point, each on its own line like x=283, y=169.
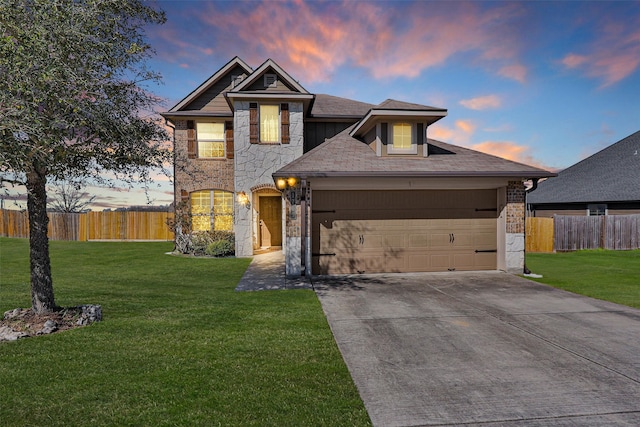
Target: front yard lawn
x=177, y=346
x=609, y=275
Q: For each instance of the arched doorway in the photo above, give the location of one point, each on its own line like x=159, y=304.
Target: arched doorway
x=268, y=218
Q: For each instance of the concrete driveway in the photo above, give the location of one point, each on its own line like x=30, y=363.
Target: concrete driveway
x=484, y=348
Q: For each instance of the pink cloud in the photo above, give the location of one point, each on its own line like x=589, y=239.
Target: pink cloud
x=482, y=102
x=517, y=72
x=613, y=56
x=466, y=126
x=572, y=60
x=508, y=150
x=463, y=132
x=320, y=37
x=460, y=134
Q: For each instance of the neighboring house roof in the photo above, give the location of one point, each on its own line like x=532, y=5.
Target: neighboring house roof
x=344, y=155
x=328, y=106
x=610, y=175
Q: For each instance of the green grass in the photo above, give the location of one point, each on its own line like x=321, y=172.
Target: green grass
x=177, y=346
x=608, y=275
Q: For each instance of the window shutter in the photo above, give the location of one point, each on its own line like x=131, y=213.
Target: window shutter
x=229, y=138
x=253, y=122
x=284, y=120
x=191, y=140
x=184, y=196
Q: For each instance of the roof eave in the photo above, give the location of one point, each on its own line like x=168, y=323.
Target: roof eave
x=376, y=115
x=403, y=174
x=192, y=114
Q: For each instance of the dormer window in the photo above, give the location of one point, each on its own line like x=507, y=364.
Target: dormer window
x=270, y=80
x=402, y=138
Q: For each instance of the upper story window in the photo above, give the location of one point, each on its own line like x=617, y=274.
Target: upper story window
x=210, y=138
x=402, y=139
x=269, y=123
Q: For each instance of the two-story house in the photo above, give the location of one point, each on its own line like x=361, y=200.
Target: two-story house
x=342, y=186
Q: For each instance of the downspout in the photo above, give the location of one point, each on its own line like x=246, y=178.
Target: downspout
x=168, y=123
x=534, y=185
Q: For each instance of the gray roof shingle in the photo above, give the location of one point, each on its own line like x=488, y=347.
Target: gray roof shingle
x=392, y=104
x=344, y=155
x=335, y=106
x=610, y=175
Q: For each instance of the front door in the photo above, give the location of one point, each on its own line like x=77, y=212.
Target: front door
x=270, y=221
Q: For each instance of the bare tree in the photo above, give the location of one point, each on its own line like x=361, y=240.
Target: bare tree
x=68, y=197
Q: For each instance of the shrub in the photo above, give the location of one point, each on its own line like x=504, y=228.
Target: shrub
x=213, y=243
x=220, y=248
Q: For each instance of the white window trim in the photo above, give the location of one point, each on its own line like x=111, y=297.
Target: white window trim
x=223, y=141
x=414, y=139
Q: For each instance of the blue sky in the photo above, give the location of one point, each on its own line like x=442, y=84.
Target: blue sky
x=543, y=83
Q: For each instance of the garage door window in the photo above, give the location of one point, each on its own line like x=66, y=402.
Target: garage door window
x=402, y=139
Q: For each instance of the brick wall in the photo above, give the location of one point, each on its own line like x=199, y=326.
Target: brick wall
x=515, y=207
x=198, y=174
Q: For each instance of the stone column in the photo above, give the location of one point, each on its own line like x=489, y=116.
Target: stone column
x=293, y=212
x=515, y=227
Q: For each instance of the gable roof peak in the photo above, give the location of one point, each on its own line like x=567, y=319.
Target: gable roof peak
x=215, y=77
x=262, y=69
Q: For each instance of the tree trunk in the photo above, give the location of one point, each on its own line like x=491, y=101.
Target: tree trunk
x=41, y=284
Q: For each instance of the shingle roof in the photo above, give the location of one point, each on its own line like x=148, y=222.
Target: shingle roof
x=392, y=104
x=344, y=155
x=610, y=175
x=334, y=106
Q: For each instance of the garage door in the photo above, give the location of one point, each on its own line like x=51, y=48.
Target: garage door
x=403, y=231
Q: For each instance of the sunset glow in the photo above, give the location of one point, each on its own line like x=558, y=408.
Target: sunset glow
x=542, y=83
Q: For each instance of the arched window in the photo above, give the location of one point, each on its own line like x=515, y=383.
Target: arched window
x=211, y=210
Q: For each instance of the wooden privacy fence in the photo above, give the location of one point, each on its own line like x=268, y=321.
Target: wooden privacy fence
x=617, y=232
x=92, y=225
x=539, y=234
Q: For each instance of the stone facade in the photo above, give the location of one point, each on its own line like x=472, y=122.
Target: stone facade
x=293, y=266
x=515, y=207
x=514, y=247
x=254, y=165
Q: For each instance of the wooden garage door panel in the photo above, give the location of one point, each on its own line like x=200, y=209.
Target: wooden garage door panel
x=391, y=231
x=377, y=246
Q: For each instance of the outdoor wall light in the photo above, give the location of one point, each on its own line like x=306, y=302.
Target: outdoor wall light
x=289, y=186
x=243, y=199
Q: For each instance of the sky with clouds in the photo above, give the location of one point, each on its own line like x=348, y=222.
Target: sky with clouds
x=543, y=83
